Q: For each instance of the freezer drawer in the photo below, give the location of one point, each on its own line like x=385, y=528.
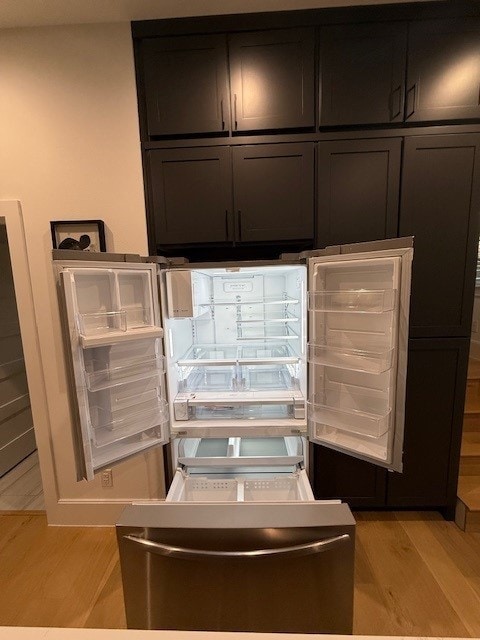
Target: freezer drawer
x=238, y=567
x=240, y=487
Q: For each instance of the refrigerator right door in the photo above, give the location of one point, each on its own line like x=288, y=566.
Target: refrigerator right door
x=358, y=339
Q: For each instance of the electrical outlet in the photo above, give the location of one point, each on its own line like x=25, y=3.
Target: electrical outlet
x=475, y=326
x=107, y=478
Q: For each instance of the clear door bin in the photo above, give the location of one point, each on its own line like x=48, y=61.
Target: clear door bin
x=105, y=322
x=354, y=301
x=370, y=425
x=352, y=359
x=103, y=377
x=113, y=425
x=135, y=296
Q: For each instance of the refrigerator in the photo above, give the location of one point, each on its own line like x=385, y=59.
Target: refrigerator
x=239, y=366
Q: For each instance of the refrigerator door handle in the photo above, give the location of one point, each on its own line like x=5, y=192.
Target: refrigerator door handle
x=286, y=552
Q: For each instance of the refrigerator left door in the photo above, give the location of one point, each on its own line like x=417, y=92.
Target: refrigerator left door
x=118, y=379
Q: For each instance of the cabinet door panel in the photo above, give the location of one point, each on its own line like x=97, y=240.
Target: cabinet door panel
x=272, y=79
x=274, y=191
x=439, y=206
x=191, y=195
x=436, y=379
x=358, y=190
x=362, y=73
x=443, y=81
x=337, y=475
x=186, y=85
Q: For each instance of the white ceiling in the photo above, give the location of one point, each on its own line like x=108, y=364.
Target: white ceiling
x=29, y=13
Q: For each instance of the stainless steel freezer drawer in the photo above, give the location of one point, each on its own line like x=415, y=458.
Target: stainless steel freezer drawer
x=238, y=567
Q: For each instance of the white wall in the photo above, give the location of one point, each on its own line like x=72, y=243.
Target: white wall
x=70, y=149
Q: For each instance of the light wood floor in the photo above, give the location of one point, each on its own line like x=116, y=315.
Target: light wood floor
x=415, y=575
x=21, y=488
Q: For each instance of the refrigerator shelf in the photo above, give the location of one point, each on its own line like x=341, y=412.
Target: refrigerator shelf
x=352, y=359
x=136, y=370
x=353, y=301
x=108, y=429
x=265, y=301
x=212, y=355
x=370, y=425
x=268, y=320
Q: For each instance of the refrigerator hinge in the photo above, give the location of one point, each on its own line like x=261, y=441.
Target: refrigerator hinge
x=166, y=262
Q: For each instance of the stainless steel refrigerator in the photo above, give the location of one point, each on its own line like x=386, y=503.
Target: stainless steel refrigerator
x=239, y=366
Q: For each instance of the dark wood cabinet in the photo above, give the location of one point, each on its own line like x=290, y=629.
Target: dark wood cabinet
x=186, y=86
x=336, y=475
x=362, y=73
x=440, y=205
x=191, y=195
x=437, y=370
x=443, y=81
x=358, y=190
x=274, y=191
x=272, y=79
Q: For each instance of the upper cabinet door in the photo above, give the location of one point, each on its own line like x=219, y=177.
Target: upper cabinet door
x=443, y=80
x=358, y=190
x=439, y=206
x=118, y=383
x=358, y=328
x=191, y=194
x=186, y=88
x=272, y=79
x=362, y=74
x=274, y=191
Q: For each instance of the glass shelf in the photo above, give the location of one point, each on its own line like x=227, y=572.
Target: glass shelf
x=353, y=301
x=352, y=359
x=264, y=301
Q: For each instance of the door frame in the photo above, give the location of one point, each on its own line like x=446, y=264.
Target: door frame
x=12, y=212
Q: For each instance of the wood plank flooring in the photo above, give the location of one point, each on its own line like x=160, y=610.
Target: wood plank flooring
x=416, y=574
x=21, y=488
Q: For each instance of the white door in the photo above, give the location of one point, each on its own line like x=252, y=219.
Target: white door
x=115, y=339
x=358, y=339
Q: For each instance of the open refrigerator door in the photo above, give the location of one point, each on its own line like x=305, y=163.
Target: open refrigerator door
x=359, y=307
x=115, y=343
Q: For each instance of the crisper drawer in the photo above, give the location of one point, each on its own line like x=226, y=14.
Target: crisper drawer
x=254, y=487
x=238, y=567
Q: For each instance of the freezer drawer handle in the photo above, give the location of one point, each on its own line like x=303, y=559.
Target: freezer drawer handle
x=286, y=552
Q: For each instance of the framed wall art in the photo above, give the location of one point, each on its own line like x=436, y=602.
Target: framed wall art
x=82, y=235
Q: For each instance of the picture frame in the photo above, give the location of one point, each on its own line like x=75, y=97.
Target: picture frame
x=82, y=235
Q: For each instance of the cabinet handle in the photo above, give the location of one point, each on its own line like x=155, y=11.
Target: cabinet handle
x=227, y=230
x=398, y=91
x=221, y=114
x=235, y=110
x=239, y=222
x=412, y=92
